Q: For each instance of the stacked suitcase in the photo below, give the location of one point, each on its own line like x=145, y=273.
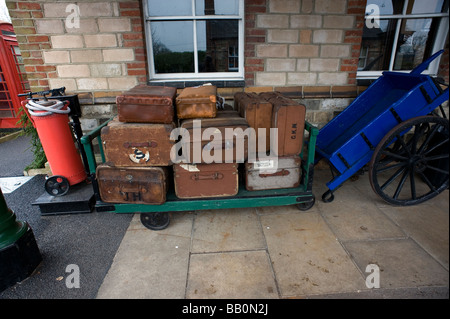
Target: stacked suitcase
x=137, y=147
x=273, y=110
x=139, y=144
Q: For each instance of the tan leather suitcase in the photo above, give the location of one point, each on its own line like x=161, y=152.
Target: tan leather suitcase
x=147, y=104
x=284, y=173
x=288, y=117
x=233, y=148
x=137, y=144
x=197, y=102
x=257, y=111
x=206, y=180
x=137, y=185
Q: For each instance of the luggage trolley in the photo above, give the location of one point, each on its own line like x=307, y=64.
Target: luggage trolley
x=156, y=217
x=393, y=126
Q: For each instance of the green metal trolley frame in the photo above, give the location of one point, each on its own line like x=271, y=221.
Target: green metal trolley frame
x=156, y=217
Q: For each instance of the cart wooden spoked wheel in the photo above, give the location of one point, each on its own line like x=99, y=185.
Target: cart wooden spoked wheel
x=410, y=165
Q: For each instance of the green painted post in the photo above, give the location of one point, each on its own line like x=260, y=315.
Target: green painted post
x=19, y=253
x=10, y=229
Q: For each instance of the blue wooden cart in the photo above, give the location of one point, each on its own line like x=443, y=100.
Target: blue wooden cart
x=393, y=127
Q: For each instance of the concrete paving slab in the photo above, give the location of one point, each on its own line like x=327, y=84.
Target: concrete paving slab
x=232, y=275
x=427, y=224
x=402, y=263
x=352, y=217
x=151, y=264
x=227, y=230
x=306, y=256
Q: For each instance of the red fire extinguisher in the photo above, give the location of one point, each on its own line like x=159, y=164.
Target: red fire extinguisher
x=51, y=120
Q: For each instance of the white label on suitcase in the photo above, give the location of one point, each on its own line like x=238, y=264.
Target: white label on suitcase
x=263, y=164
x=190, y=167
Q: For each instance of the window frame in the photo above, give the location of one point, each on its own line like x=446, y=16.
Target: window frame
x=195, y=76
x=439, y=42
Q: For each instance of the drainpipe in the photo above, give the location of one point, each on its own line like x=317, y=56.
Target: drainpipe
x=19, y=253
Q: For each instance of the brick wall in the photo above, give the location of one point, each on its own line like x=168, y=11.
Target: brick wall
x=303, y=43
x=308, y=49
x=102, y=57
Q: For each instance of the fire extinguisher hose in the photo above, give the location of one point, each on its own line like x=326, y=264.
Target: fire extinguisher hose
x=45, y=108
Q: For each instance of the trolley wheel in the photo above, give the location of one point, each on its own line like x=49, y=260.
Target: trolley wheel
x=410, y=165
x=57, y=185
x=155, y=220
x=307, y=205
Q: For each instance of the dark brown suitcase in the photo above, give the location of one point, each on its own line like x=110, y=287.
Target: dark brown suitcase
x=137, y=185
x=147, y=104
x=137, y=144
x=206, y=180
x=257, y=111
x=235, y=146
x=197, y=102
x=288, y=117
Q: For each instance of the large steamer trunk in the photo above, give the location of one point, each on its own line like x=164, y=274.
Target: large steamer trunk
x=257, y=111
x=206, y=180
x=137, y=144
x=197, y=102
x=137, y=185
x=289, y=118
x=147, y=104
x=273, y=173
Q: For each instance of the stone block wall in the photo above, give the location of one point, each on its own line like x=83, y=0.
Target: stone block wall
x=307, y=49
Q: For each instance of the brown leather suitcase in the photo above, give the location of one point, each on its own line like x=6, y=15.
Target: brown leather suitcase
x=137, y=144
x=234, y=148
x=197, y=102
x=206, y=180
x=273, y=173
x=257, y=111
x=289, y=117
x=147, y=104
x=137, y=185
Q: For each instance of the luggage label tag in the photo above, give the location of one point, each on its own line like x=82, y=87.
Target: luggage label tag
x=138, y=156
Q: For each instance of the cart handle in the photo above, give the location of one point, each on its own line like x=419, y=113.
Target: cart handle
x=424, y=65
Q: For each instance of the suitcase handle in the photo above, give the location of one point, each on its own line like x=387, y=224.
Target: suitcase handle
x=144, y=144
x=213, y=176
x=283, y=172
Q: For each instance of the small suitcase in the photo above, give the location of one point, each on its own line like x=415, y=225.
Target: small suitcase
x=287, y=174
x=288, y=117
x=206, y=180
x=147, y=104
x=197, y=102
x=137, y=144
x=137, y=185
x=257, y=111
x=234, y=147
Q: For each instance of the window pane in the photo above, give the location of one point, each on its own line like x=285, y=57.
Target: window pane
x=387, y=6
x=217, y=43
x=169, y=8
x=412, y=43
x=173, y=46
x=429, y=6
x=376, y=46
x=216, y=7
